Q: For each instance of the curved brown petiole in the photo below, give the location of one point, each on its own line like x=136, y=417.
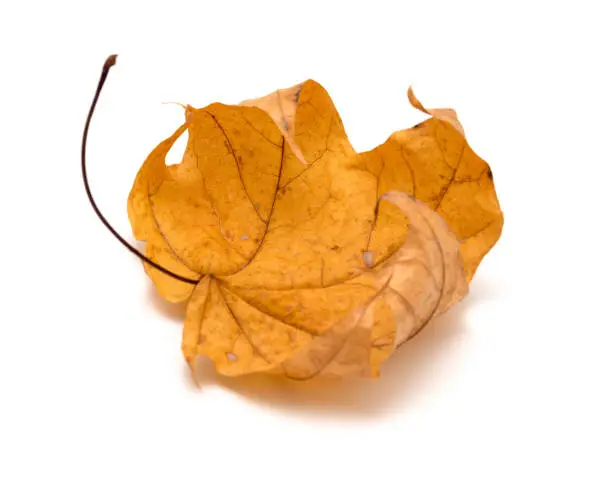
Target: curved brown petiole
x=110, y=61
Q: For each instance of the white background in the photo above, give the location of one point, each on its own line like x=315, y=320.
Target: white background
x=509, y=390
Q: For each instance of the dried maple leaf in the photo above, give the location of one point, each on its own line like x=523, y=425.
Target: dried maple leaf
x=310, y=258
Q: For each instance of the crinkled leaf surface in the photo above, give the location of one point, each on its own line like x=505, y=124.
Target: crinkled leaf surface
x=311, y=259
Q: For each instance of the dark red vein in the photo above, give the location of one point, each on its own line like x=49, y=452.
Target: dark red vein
x=452, y=179
x=108, y=64
x=267, y=222
x=233, y=152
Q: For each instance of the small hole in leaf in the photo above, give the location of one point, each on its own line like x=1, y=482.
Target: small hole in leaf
x=368, y=258
x=231, y=356
x=175, y=155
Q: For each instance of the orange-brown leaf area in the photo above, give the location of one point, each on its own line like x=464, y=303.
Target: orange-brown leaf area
x=311, y=259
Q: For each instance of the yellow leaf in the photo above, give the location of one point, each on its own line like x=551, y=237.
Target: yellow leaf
x=431, y=161
x=311, y=259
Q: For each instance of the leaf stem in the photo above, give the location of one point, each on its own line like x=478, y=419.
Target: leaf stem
x=110, y=61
